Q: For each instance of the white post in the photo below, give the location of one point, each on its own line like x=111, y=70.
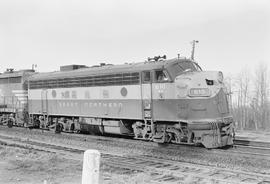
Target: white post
x=90, y=173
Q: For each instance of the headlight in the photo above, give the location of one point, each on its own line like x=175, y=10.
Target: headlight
x=199, y=92
x=220, y=77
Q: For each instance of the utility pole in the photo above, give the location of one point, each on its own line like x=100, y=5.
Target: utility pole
x=193, y=48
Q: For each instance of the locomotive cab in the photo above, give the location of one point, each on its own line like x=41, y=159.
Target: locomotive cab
x=207, y=112
x=200, y=106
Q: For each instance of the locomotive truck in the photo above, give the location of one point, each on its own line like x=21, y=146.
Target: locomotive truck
x=162, y=100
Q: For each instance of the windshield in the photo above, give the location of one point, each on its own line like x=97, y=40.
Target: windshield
x=197, y=66
x=183, y=66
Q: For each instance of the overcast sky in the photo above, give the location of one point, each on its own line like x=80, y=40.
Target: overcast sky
x=232, y=34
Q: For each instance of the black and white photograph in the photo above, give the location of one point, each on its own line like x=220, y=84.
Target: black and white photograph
x=134, y=92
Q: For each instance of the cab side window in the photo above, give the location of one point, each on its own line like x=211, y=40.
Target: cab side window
x=146, y=77
x=161, y=76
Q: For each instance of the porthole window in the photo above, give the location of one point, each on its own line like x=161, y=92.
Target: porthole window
x=53, y=93
x=124, y=92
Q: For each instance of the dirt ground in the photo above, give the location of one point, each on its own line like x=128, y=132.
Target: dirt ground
x=24, y=166
x=28, y=166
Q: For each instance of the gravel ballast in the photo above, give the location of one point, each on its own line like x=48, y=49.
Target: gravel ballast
x=122, y=146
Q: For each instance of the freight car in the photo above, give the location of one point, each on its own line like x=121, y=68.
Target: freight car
x=160, y=100
x=13, y=97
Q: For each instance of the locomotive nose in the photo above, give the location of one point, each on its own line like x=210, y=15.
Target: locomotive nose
x=199, y=84
x=206, y=94
x=202, y=103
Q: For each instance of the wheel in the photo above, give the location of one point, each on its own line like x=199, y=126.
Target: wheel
x=58, y=128
x=10, y=124
x=72, y=127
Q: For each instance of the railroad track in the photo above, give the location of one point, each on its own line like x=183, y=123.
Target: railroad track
x=245, y=142
x=241, y=146
x=161, y=170
x=256, y=148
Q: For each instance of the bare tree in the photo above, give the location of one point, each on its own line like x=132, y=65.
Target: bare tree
x=242, y=89
x=232, y=92
x=260, y=99
x=251, y=101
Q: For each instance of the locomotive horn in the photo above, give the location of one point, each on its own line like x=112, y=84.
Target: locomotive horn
x=157, y=58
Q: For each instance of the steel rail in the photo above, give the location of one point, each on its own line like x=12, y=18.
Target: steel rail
x=163, y=170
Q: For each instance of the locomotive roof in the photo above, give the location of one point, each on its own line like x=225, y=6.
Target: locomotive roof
x=19, y=73
x=108, y=69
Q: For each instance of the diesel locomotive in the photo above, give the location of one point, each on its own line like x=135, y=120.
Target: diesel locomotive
x=13, y=97
x=162, y=100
